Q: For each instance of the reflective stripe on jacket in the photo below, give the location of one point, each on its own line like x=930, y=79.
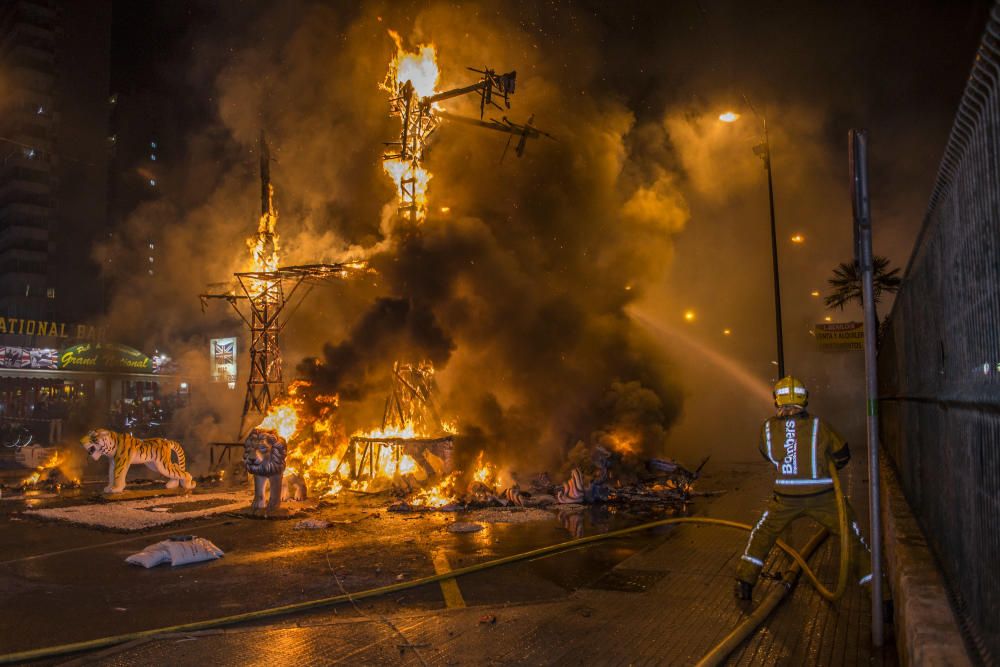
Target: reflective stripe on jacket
x=800, y=447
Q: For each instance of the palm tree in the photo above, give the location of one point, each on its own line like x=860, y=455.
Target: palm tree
x=846, y=283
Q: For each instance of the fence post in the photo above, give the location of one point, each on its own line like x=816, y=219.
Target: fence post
x=858, y=150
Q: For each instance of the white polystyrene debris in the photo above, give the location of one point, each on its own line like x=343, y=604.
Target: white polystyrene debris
x=140, y=513
x=312, y=524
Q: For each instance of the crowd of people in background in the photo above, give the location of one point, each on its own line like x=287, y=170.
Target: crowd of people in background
x=51, y=417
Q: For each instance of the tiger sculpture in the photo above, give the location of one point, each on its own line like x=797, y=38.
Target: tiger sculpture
x=124, y=449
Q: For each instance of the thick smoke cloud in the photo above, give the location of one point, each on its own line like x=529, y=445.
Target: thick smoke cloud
x=517, y=293
x=394, y=328
x=536, y=293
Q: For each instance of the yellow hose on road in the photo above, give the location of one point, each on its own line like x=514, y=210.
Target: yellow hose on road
x=731, y=642
x=101, y=642
x=845, y=552
x=718, y=654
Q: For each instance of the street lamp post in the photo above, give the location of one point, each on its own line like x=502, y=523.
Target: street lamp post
x=763, y=151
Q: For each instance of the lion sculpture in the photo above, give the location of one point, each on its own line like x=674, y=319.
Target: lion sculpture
x=264, y=458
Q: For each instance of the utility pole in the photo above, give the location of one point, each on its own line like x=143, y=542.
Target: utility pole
x=858, y=147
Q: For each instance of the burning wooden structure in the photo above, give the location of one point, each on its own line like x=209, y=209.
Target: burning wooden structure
x=412, y=435
x=411, y=83
x=259, y=297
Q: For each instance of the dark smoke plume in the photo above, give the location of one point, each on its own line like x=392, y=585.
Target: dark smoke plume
x=394, y=328
x=517, y=292
x=526, y=293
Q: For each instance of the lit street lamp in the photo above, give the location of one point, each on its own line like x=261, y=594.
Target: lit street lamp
x=763, y=151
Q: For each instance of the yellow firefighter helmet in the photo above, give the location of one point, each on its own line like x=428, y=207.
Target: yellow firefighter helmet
x=790, y=391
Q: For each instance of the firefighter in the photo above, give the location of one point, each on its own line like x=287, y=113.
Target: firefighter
x=800, y=446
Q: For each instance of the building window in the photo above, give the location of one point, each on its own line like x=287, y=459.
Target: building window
x=50, y=292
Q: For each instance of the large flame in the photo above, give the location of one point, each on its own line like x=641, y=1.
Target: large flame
x=316, y=443
x=485, y=473
x=54, y=460
x=283, y=419
x=264, y=244
x=408, y=430
x=436, y=496
x=418, y=67
x=318, y=447
x=411, y=183
x=411, y=77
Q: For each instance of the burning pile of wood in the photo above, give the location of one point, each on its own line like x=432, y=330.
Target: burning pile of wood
x=661, y=482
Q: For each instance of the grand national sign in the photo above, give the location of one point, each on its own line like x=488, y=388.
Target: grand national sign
x=840, y=336
x=104, y=358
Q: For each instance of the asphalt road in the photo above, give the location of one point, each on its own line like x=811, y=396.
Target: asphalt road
x=658, y=597
x=64, y=583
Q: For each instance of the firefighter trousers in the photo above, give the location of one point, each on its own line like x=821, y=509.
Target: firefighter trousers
x=781, y=511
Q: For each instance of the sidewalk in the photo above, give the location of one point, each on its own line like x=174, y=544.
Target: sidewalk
x=665, y=605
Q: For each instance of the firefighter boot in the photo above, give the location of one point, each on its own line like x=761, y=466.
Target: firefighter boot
x=743, y=590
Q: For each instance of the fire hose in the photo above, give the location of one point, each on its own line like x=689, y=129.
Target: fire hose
x=800, y=561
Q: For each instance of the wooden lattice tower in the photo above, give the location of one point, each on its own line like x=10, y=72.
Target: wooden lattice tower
x=419, y=118
x=266, y=293
x=412, y=399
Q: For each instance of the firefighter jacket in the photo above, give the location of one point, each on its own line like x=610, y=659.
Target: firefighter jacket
x=800, y=446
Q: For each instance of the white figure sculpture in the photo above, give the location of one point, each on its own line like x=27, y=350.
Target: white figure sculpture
x=264, y=458
x=123, y=450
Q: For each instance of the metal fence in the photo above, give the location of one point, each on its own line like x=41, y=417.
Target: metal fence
x=939, y=360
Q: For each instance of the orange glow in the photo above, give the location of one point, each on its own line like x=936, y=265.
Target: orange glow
x=798, y=238
x=729, y=117
x=263, y=245
x=726, y=332
x=815, y=292
x=437, y=496
x=418, y=67
x=485, y=472
x=623, y=443
x=282, y=419
x=315, y=441
x=419, y=70
x=54, y=460
x=689, y=315
x=318, y=449
x=415, y=177
x=828, y=319
x=405, y=431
